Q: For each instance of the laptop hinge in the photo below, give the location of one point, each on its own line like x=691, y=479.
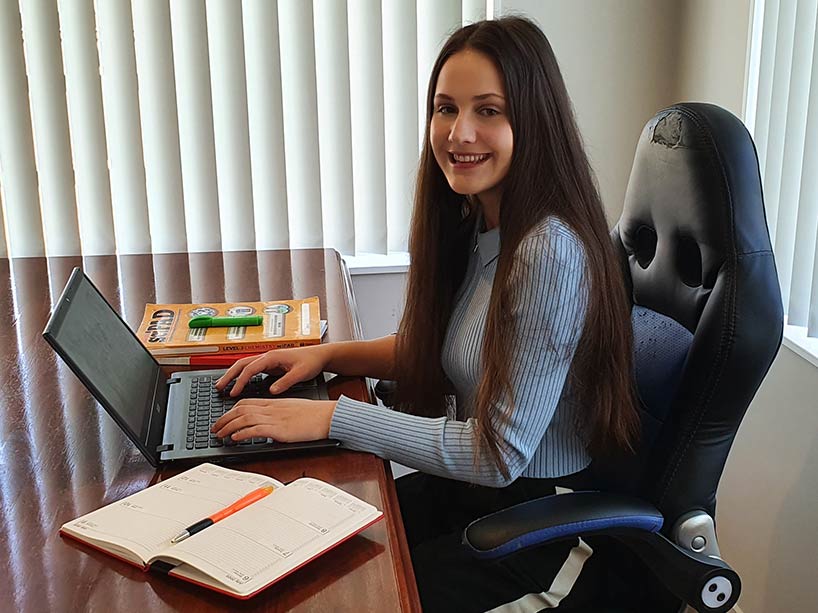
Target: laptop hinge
x=164, y=447
x=172, y=380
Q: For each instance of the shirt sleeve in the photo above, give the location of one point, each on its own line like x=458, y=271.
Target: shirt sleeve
x=549, y=300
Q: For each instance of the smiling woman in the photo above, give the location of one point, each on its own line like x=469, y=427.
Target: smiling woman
x=513, y=357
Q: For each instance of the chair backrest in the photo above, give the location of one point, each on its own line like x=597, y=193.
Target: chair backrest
x=707, y=314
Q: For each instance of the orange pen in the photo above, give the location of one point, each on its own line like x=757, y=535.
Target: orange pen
x=242, y=502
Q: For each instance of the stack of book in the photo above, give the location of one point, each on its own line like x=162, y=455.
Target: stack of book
x=166, y=332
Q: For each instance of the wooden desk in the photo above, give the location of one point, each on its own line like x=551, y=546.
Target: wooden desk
x=61, y=456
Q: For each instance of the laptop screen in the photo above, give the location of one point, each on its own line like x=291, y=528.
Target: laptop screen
x=103, y=352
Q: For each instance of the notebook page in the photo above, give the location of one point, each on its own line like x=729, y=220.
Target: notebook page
x=255, y=546
x=144, y=523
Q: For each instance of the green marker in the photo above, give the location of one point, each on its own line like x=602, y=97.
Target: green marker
x=224, y=322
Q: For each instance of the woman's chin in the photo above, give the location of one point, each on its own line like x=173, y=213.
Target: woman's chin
x=459, y=188
x=461, y=191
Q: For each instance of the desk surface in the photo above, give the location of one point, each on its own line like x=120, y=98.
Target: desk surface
x=61, y=456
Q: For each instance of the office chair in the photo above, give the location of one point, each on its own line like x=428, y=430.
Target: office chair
x=708, y=321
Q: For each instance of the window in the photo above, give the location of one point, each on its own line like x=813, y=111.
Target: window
x=155, y=127
x=781, y=112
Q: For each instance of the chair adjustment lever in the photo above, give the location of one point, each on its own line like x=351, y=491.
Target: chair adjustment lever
x=705, y=582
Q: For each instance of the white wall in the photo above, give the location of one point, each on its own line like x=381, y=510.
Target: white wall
x=713, y=48
x=380, y=299
x=618, y=59
x=768, y=496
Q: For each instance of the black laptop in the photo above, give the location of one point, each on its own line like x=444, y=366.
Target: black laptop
x=167, y=418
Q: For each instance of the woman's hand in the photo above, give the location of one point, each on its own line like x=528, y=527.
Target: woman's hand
x=298, y=364
x=286, y=420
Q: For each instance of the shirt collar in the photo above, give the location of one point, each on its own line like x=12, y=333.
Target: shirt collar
x=488, y=244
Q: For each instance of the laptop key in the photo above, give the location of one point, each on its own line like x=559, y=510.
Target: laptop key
x=201, y=444
x=229, y=442
x=189, y=445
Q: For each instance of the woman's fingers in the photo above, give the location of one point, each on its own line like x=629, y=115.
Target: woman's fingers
x=260, y=431
x=256, y=366
x=242, y=417
x=233, y=371
x=287, y=380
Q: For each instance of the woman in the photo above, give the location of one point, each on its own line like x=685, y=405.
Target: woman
x=513, y=355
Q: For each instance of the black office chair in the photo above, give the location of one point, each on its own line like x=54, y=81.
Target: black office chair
x=708, y=322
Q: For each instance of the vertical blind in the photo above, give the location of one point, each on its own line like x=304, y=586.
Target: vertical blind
x=782, y=113
x=161, y=126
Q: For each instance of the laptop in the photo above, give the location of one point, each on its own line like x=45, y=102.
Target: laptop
x=167, y=418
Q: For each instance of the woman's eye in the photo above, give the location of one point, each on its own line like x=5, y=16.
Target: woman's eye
x=444, y=109
x=489, y=112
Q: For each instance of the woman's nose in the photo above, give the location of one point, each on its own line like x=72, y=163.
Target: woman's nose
x=462, y=130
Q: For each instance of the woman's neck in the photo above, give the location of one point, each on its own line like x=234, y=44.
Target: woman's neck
x=490, y=207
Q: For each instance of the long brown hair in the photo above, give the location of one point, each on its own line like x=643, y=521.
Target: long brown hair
x=549, y=175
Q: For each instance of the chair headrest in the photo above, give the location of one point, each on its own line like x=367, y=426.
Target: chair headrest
x=693, y=202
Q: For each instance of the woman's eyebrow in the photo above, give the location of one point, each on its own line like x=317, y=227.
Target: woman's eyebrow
x=478, y=97
x=489, y=95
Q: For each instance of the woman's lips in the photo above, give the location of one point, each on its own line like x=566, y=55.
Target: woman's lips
x=473, y=163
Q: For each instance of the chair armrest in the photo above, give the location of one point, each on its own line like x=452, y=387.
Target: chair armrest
x=706, y=583
x=558, y=517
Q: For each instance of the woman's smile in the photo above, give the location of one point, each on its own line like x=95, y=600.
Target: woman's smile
x=467, y=161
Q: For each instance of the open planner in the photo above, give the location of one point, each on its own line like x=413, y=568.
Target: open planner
x=239, y=555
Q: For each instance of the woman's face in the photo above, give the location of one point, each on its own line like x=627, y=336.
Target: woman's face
x=470, y=131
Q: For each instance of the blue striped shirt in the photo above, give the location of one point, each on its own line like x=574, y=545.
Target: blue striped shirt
x=541, y=439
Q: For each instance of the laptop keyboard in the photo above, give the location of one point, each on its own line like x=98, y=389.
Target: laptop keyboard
x=207, y=404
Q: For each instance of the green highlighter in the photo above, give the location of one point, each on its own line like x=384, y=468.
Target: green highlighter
x=224, y=322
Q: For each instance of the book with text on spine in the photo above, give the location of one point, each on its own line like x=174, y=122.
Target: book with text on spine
x=240, y=555
x=286, y=323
